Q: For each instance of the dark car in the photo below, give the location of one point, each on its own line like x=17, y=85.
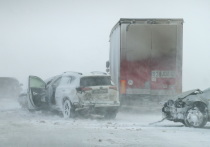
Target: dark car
x=9, y=87
x=192, y=108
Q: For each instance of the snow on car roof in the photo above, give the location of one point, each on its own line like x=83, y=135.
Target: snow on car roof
x=98, y=73
x=95, y=74
x=71, y=73
x=91, y=75
x=79, y=75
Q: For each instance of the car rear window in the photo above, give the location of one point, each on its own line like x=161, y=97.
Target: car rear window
x=95, y=81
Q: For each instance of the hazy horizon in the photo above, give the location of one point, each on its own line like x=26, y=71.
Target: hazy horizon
x=46, y=38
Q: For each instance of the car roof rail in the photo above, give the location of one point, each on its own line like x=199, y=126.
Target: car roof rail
x=73, y=72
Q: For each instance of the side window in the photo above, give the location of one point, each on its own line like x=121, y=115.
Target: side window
x=36, y=82
x=66, y=80
x=56, y=82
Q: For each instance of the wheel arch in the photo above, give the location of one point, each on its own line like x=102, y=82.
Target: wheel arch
x=67, y=98
x=72, y=108
x=199, y=104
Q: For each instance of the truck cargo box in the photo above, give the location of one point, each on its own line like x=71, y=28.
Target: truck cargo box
x=146, y=57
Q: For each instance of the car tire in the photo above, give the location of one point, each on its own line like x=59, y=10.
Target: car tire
x=22, y=99
x=196, y=116
x=183, y=122
x=68, y=111
x=111, y=115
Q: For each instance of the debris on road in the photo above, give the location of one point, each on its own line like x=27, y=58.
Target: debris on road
x=157, y=122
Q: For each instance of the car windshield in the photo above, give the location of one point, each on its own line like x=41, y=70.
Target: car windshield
x=95, y=81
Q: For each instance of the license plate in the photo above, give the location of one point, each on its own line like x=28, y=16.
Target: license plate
x=162, y=74
x=98, y=91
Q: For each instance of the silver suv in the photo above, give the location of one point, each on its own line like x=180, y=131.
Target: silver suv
x=73, y=93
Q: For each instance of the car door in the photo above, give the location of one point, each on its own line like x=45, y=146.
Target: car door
x=36, y=92
x=64, y=90
x=52, y=90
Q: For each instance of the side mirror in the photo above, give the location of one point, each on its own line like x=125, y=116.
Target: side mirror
x=107, y=64
x=107, y=70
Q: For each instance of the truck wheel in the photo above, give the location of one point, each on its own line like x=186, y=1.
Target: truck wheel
x=67, y=109
x=196, y=116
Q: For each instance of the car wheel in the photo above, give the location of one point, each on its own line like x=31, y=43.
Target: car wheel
x=111, y=115
x=183, y=122
x=22, y=99
x=67, y=109
x=196, y=116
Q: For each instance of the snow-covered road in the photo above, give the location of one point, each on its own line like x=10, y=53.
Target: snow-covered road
x=20, y=128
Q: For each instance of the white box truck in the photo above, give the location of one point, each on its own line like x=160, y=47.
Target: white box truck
x=146, y=58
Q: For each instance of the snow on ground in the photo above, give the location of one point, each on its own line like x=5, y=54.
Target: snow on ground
x=21, y=128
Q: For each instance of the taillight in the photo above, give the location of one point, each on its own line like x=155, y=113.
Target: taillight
x=123, y=86
x=113, y=87
x=80, y=89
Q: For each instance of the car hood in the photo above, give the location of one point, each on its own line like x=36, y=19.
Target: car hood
x=185, y=94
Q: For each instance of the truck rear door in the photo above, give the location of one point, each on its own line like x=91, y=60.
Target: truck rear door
x=163, y=59
x=150, y=55
x=135, y=64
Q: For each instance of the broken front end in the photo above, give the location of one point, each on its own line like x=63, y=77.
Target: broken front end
x=175, y=110
x=189, y=109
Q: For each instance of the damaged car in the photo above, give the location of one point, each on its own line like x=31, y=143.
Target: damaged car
x=192, y=108
x=9, y=87
x=72, y=93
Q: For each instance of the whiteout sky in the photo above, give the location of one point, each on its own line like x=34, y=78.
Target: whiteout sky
x=47, y=37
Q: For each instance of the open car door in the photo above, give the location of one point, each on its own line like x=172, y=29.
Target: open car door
x=36, y=93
